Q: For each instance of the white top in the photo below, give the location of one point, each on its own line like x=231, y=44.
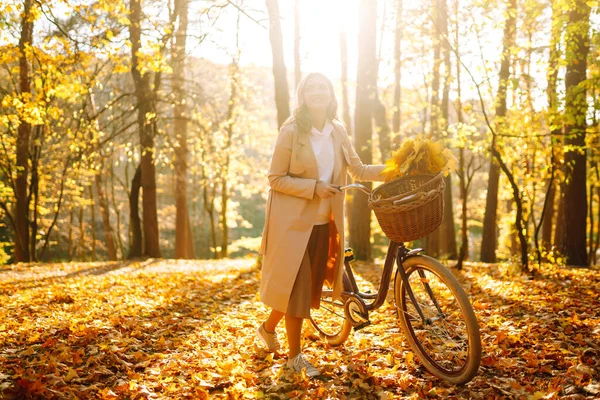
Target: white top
x=322, y=145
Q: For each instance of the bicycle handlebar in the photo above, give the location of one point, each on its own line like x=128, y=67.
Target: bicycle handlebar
x=401, y=200
x=358, y=186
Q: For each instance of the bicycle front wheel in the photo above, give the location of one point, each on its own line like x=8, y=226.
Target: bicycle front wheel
x=329, y=320
x=447, y=341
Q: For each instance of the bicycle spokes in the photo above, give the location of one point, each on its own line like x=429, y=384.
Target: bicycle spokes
x=436, y=319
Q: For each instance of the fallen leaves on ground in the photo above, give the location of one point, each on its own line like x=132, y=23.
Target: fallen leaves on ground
x=186, y=329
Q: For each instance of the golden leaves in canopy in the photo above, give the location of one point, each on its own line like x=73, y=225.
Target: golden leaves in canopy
x=418, y=156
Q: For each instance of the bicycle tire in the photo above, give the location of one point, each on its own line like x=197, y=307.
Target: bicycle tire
x=448, y=348
x=329, y=320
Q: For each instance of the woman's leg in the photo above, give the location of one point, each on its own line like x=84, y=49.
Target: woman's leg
x=293, y=328
x=311, y=273
x=271, y=322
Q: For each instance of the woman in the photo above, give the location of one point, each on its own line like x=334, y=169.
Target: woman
x=302, y=244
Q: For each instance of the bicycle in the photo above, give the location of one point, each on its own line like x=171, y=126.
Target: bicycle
x=433, y=309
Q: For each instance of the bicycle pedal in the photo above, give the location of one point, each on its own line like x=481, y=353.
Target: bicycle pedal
x=360, y=326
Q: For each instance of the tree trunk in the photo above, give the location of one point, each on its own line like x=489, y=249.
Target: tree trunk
x=561, y=222
x=597, y=243
x=282, y=95
x=234, y=70
x=379, y=111
x=397, y=71
x=360, y=228
x=447, y=233
x=183, y=241
x=81, y=253
x=463, y=253
x=297, y=70
x=435, y=116
x=552, y=95
x=575, y=206
x=22, y=253
x=344, y=81
x=383, y=128
x=103, y=202
x=70, y=231
x=145, y=105
x=135, y=225
x=121, y=251
x=209, y=207
x=345, y=109
x=425, y=102
x=591, y=227
x=34, y=192
x=489, y=241
x=549, y=219
x=228, y=148
x=93, y=221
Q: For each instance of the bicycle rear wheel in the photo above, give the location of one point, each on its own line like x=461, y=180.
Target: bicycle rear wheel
x=448, y=342
x=329, y=320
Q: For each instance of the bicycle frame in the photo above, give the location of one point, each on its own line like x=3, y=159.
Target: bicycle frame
x=386, y=278
x=396, y=254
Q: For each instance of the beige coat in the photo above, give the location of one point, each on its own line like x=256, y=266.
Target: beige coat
x=292, y=207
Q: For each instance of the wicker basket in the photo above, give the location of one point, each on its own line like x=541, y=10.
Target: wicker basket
x=419, y=207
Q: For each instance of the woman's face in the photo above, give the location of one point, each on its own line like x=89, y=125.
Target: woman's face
x=316, y=93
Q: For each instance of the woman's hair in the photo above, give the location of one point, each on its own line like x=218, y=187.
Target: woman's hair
x=301, y=115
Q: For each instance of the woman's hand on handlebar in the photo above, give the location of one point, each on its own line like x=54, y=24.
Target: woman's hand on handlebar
x=325, y=190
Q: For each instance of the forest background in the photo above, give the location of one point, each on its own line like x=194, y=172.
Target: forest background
x=145, y=129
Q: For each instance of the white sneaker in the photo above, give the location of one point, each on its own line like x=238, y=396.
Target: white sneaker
x=300, y=362
x=269, y=339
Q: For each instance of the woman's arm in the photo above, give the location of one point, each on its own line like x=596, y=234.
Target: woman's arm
x=359, y=171
x=279, y=179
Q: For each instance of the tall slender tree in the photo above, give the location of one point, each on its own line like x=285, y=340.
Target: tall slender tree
x=447, y=233
x=297, y=63
x=490, y=235
x=104, y=210
x=345, y=104
x=21, y=218
x=553, y=121
x=145, y=116
x=575, y=197
x=435, y=116
x=184, y=244
x=398, y=32
x=282, y=94
x=463, y=252
x=344, y=81
x=379, y=110
x=230, y=127
x=93, y=221
x=136, y=242
x=360, y=225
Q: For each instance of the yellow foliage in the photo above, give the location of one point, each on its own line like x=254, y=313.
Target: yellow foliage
x=419, y=156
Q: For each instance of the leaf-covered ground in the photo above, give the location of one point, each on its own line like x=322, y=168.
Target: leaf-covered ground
x=175, y=329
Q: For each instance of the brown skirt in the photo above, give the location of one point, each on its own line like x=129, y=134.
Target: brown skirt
x=306, y=293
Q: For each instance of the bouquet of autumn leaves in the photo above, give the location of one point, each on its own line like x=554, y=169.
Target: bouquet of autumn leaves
x=418, y=156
